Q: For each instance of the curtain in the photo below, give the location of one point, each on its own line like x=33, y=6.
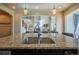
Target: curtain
x=76, y=24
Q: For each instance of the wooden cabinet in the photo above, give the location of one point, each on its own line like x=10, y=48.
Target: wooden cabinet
x=5, y=24
x=5, y=30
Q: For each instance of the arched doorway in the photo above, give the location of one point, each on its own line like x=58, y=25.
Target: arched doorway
x=5, y=24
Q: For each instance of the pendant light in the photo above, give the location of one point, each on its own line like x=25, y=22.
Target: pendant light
x=54, y=10
x=55, y=17
x=25, y=10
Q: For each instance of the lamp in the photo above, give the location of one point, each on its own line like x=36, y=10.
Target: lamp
x=25, y=10
x=55, y=18
x=54, y=10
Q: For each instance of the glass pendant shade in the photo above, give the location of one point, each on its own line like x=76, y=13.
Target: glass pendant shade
x=25, y=11
x=54, y=11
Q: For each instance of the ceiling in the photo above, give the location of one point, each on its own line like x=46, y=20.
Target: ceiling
x=38, y=8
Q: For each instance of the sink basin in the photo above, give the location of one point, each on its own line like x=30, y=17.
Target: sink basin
x=35, y=40
x=47, y=40
x=30, y=40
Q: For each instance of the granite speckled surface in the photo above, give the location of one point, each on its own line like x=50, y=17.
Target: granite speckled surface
x=61, y=42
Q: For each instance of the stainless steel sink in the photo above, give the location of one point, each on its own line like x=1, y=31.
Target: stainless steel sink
x=35, y=40
x=46, y=40
x=30, y=40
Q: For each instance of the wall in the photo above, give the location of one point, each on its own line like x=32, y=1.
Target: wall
x=69, y=19
x=17, y=22
x=60, y=22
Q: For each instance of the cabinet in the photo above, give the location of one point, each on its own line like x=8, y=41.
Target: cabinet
x=5, y=30
x=5, y=24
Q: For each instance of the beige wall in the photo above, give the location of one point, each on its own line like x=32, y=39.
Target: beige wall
x=17, y=22
x=60, y=22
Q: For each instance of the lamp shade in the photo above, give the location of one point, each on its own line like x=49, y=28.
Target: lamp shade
x=25, y=11
x=54, y=11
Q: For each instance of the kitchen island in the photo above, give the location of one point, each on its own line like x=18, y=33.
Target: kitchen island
x=61, y=43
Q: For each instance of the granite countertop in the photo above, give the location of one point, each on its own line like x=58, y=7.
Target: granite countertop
x=61, y=42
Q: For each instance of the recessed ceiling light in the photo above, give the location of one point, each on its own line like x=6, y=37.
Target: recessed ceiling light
x=36, y=7
x=13, y=7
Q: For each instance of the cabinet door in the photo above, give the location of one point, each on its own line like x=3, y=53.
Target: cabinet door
x=5, y=31
x=5, y=19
